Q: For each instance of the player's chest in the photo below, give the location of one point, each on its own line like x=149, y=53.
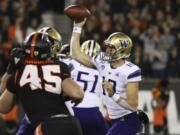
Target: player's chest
x=117, y=78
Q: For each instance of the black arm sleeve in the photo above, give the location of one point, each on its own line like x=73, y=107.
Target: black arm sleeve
x=65, y=73
x=11, y=85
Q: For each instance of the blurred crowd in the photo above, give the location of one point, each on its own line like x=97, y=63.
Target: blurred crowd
x=16, y=18
x=153, y=26
x=19, y=18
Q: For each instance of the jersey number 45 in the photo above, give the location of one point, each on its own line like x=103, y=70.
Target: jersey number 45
x=49, y=80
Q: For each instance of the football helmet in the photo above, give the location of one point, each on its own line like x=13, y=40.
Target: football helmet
x=55, y=35
x=65, y=51
x=39, y=45
x=90, y=47
x=117, y=46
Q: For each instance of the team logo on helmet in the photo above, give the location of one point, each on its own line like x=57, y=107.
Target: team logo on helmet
x=123, y=43
x=118, y=46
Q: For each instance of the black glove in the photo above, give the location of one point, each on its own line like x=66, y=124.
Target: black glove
x=143, y=117
x=17, y=57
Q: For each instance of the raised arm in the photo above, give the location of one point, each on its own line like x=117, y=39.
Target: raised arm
x=75, y=46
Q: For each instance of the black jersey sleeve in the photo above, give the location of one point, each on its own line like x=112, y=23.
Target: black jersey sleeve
x=65, y=73
x=11, y=84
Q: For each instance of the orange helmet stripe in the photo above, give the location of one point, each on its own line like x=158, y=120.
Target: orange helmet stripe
x=33, y=45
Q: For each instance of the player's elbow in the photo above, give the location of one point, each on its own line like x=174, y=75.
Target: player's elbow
x=4, y=109
x=76, y=55
x=78, y=97
x=72, y=90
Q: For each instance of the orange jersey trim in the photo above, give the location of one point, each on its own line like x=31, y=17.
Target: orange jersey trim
x=38, y=130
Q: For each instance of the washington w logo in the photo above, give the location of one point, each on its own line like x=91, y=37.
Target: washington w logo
x=123, y=43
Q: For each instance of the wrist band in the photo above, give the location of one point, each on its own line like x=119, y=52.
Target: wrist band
x=77, y=29
x=116, y=97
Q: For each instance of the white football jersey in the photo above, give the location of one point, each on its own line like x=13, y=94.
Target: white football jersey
x=119, y=78
x=89, y=80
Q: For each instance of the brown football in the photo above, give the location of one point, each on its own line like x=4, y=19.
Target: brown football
x=77, y=12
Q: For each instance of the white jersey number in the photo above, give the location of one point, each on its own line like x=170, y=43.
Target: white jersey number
x=49, y=81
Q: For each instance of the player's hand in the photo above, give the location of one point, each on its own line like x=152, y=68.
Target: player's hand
x=17, y=56
x=143, y=117
x=108, y=87
x=80, y=24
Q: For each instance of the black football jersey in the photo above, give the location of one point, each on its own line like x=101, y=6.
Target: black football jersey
x=37, y=84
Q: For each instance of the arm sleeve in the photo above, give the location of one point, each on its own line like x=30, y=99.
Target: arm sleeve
x=134, y=76
x=11, y=85
x=65, y=73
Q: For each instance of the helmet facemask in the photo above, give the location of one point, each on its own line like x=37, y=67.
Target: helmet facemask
x=65, y=52
x=56, y=48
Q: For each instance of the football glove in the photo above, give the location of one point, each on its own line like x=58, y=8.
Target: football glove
x=17, y=57
x=143, y=117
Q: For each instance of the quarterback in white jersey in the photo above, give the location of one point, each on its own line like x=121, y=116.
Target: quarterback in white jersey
x=88, y=111
x=121, y=79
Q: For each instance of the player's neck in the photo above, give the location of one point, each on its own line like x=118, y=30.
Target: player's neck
x=118, y=63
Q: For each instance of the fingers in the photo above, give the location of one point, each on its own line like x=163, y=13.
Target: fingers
x=80, y=24
x=108, y=87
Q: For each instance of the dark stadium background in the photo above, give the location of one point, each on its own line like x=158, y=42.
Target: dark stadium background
x=153, y=25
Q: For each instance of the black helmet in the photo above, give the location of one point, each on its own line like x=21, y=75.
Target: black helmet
x=39, y=45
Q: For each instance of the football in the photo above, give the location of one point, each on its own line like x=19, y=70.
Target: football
x=77, y=12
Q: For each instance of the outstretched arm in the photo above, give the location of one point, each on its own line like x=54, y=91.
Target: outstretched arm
x=75, y=46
